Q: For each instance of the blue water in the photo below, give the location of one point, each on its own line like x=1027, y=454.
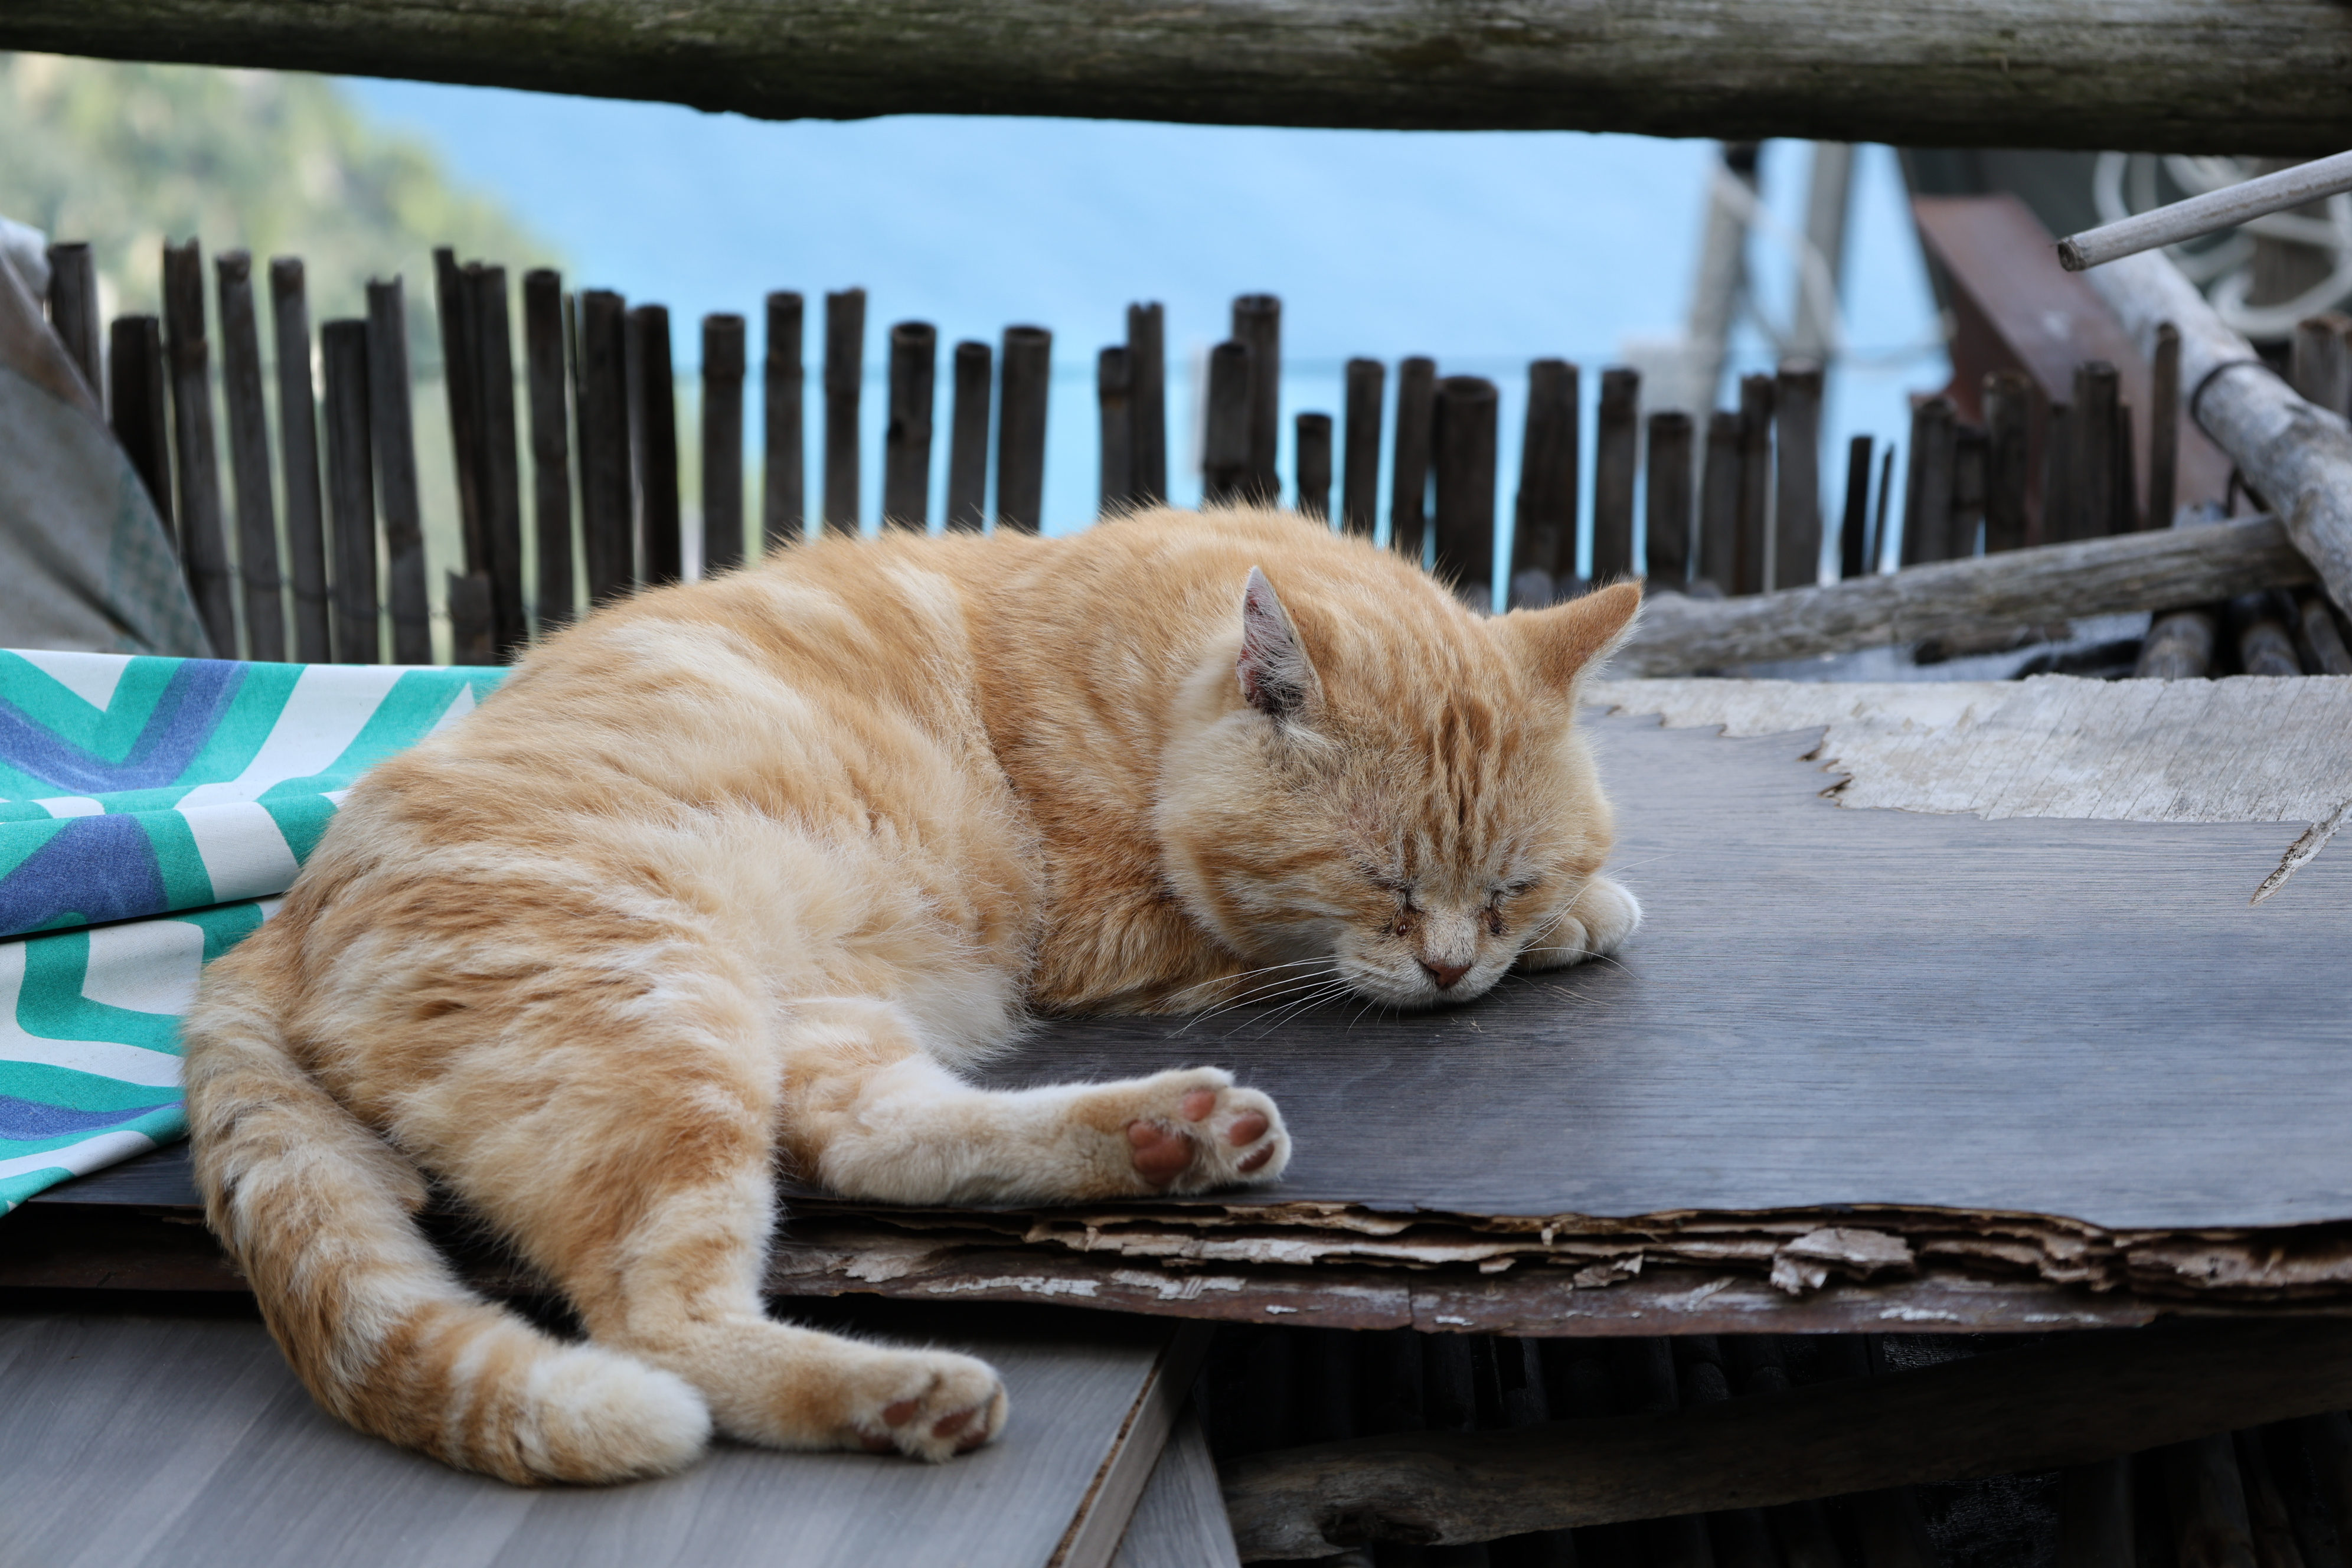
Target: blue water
x=1483, y=250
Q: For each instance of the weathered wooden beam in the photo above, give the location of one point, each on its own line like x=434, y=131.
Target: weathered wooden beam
x=2073, y=1402
x=2298, y=457
x=2150, y=570
x=2187, y=76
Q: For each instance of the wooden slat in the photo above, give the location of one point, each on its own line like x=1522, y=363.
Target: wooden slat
x=1416, y=405
x=722, y=443
x=501, y=474
x=783, y=483
x=393, y=439
x=968, y=437
x=907, y=438
x=551, y=447
x=203, y=549
x=249, y=460
x=297, y=432
x=1179, y=1520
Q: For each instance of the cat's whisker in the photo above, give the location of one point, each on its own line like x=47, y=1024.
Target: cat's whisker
x=1270, y=991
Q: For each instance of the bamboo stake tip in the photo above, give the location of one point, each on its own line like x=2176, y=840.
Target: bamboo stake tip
x=2071, y=256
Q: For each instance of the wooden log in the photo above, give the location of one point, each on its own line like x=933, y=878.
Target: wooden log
x=2271, y=1531
x=2095, y=1516
x=249, y=460
x=2163, y=426
x=2008, y=444
x=1718, y=504
x=2076, y=1401
x=1416, y=413
x=551, y=447
x=2318, y=639
x=1667, y=517
x=1257, y=322
x=1466, y=441
x=845, y=377
x=1544, y=519
x=74, y=312
x=2259, y=634
x=1853, y=527
x=1311, y=440
x=1021, y=428
x=2208, y=1503
x=2179, y=645
x=499, y=468
x=1755, y=483
x=658, y=525
x=722, y=442
x=607, y=547
x=2298, y=456
x=137, y=406
x=203, y=550
x=2096, y=415
x=783, y=482
x=1797, y=516
x=393, y=434
x=1928, y=510
x=1225, y=443
x=297, y=451
x=1878, y=518
x=907, y=438
x=1962, y=73
x=351, y=492
x=2319, y=369
x=968, y=438
x=1113, y=381
x=1971, y=457
x=1616, y=458
x=2209, y=213
x=461, y=387
x=2149, y=571
x=1147, y=403
x=1359, y=486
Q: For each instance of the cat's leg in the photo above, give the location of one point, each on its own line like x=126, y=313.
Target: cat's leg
x=1596, y=922
x=869, y=1113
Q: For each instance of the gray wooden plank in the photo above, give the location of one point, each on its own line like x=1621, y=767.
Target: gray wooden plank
x=183, y=1442
x=1179, y=1521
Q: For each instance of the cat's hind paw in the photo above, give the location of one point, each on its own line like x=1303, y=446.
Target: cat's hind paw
x=1595, y=925
x=925, y=1404
x=1190, y=1129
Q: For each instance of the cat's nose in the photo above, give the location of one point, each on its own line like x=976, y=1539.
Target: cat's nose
x=1446, y=975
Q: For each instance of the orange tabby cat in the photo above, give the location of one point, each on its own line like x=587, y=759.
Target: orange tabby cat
x=739, y=874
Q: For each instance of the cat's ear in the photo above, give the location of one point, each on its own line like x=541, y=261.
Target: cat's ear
x=1277, y=678
x=1560, y=644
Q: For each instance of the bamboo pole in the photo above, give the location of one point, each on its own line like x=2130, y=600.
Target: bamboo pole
x=1114, y=376
x=1027, y=376
x=492, y=371
x=1359, y=491
x=968, y=437
x=74, y=312
x=1311, y=441
x=607, y=549
x=1666, y=520
x=783, y=482
x=722, y=442
x=550, y=447
x=1147, y=403
x=845, y=376
x=351, y=492
x=1257, y=322
x=136, y=380
x=1544, y=524
x=249, y=459
x=907, y=438
x=393, y=434
x=203, y=550
x=1416, y=411
x=656, y=384
x=1225, y=443
x=1616, y=456
x=1465, y=443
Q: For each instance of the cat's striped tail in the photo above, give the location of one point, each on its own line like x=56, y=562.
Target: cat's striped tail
x=319, y=1213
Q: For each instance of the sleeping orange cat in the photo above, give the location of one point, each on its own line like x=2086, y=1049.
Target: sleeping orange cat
x=738, y=876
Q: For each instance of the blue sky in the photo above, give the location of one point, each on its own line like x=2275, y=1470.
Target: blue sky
x=1485, y=249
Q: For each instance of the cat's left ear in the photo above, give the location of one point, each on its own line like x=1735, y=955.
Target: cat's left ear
x=1561, y=643
x=1277, y=678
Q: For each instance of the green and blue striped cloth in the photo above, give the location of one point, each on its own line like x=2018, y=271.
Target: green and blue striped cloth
x=151, y=810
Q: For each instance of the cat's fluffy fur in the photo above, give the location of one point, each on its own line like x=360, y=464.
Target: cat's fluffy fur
x=737, y=875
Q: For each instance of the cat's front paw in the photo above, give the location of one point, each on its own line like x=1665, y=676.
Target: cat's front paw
x=1189, y=1131
x=1596, y=924
x=925, y=1404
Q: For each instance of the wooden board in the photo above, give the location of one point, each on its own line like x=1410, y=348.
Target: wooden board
x=183, y=1442
x=1179, y=1521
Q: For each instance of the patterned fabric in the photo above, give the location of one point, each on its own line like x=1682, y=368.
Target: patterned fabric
x=150, y=810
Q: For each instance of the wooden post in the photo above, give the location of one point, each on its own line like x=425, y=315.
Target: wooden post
x=2095, y=414
x=2258, y=631
x=203, y=552
x=1312, y=441
x=501, y=471
x=470, y=597
x=722, y=443
x=2009, y=430
x=2318, y=639
x=2317, y=368
x=297, y=432
x=351, y=492
x=784, y=475
x=74, y=312
x=2095, y=1515
x=1854, y=528
x=1257, y=322
x=1360, y=489
x=1616, y=456
x=1544, y=521
x=844, y=376
x=2164, y=427
x=249, y=460
x=1666, y=520
x=2208, y=1503
x=393, y=433
x=1797, y=516
x=1416, y=413
x=968, y=438
x=1928, y=512
x=1027, y=376
x=2062, y=497
x=1466, y=438
x=1755, y=481
x=1114, y=375
x=1877, y=555
x=660, y=526
x=606, y=540
x=2179, y=645
x=1225, y=445
x=461, y=384
x=1718, y=510
x=1146, y=404
x=1969, y=460
x=907, y=439
x=2127, y=513
x=134, y=365
x=550, y=447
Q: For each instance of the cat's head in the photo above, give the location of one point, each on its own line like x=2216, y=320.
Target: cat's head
x=1382, y=793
